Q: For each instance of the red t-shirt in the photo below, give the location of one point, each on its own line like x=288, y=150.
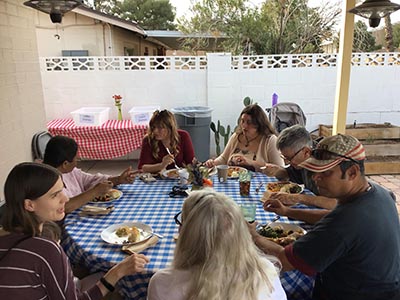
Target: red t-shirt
x=185, y=155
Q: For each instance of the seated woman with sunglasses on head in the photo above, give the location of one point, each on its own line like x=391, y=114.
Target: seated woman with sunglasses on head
x=165, y=144
x=253, y=144
x=36, y=267
x=296, y=145
x=215, y=257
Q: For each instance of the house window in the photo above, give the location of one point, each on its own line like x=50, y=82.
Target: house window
x=75, y=52
x=146, y=51
x=129, y=51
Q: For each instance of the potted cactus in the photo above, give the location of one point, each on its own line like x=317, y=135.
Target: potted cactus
x=220, y=131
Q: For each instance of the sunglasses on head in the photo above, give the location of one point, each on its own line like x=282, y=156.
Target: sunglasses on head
x=323, y=154
x=177, y=217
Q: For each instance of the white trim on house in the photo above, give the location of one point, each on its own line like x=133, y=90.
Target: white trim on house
x=94, y=14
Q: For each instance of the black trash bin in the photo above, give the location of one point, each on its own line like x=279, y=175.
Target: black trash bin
x=196, y=120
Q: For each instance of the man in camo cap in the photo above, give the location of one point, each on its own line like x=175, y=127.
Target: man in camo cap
x=354, y=251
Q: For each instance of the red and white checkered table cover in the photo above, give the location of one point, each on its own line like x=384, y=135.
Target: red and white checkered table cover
x=112, y=139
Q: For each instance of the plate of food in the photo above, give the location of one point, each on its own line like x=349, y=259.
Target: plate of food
x=284, y=187
x=171, y=174
x=281, y=233
x=233, y=171
x=111, y=196
x=127, y=233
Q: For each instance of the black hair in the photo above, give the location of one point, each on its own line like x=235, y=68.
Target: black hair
x=346, y=164
x=60, y=149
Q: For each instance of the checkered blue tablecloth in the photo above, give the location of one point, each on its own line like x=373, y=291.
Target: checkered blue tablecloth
x=149, y=203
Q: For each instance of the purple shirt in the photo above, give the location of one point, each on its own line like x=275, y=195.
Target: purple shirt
x=37, y=268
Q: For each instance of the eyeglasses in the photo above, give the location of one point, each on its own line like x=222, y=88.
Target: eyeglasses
x=294, y=155
x=177, y=217
x=323, y=154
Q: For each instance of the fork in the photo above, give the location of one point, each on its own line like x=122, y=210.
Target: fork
x=169, y=152
x=259, y=187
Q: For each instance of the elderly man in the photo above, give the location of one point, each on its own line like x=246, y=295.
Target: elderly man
x=295, y=144
x=355, y=249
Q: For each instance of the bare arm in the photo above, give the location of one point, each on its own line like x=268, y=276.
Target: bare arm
x=272, y=170
x=127, y=176
x=318, y=201
x=87, y=196
x=157, y=167
x=310, y=216
x=310, y=200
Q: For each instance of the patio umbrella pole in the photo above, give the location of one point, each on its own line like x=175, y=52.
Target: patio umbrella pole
x=344, y=66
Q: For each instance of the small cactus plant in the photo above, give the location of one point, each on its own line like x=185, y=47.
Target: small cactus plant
x=219, y=130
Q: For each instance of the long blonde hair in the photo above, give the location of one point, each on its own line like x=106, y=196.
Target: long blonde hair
x=164, y=119
x=216, y=246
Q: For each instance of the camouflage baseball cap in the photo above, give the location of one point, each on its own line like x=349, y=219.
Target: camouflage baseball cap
x=332, y=150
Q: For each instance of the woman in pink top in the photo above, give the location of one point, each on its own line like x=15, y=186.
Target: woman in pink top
x=34, y=267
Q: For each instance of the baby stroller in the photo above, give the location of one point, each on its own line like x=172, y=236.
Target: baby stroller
x=286, y=114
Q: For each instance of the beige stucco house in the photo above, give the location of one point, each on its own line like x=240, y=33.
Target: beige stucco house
x=87, y=32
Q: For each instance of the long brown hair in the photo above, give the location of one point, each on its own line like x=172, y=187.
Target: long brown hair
x=164, y=119
x=259, y=119
x=26, y=181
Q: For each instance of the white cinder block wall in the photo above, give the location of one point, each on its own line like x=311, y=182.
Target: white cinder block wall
x=21, y=95
x=373, y=96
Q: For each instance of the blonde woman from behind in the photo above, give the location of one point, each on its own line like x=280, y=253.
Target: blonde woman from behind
x=215, y=257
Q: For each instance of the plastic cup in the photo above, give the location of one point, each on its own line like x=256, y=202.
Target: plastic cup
x=244, y=183
x=183, y=176
x=249, y=211
x=222, y=171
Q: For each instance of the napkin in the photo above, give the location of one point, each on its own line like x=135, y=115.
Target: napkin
x=96, y=210
x=137, y=248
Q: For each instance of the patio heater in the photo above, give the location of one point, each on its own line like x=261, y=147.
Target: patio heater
x=55, y=8
x=374, y=10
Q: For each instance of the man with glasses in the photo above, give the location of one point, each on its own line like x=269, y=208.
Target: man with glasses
x=296, y=144
x=355, y=249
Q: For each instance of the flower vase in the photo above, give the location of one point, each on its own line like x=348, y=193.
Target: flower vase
x=119, y=112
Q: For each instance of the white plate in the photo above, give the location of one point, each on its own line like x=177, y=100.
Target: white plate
x=170, y=174
x=108, y=235
x=282, y=184
x=109, y=201
x=287, y=226
x=236, y=169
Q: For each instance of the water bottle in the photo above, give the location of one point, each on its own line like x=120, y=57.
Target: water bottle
x=274, y=99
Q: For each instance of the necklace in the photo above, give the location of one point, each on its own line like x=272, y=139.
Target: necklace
x=248, y=141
